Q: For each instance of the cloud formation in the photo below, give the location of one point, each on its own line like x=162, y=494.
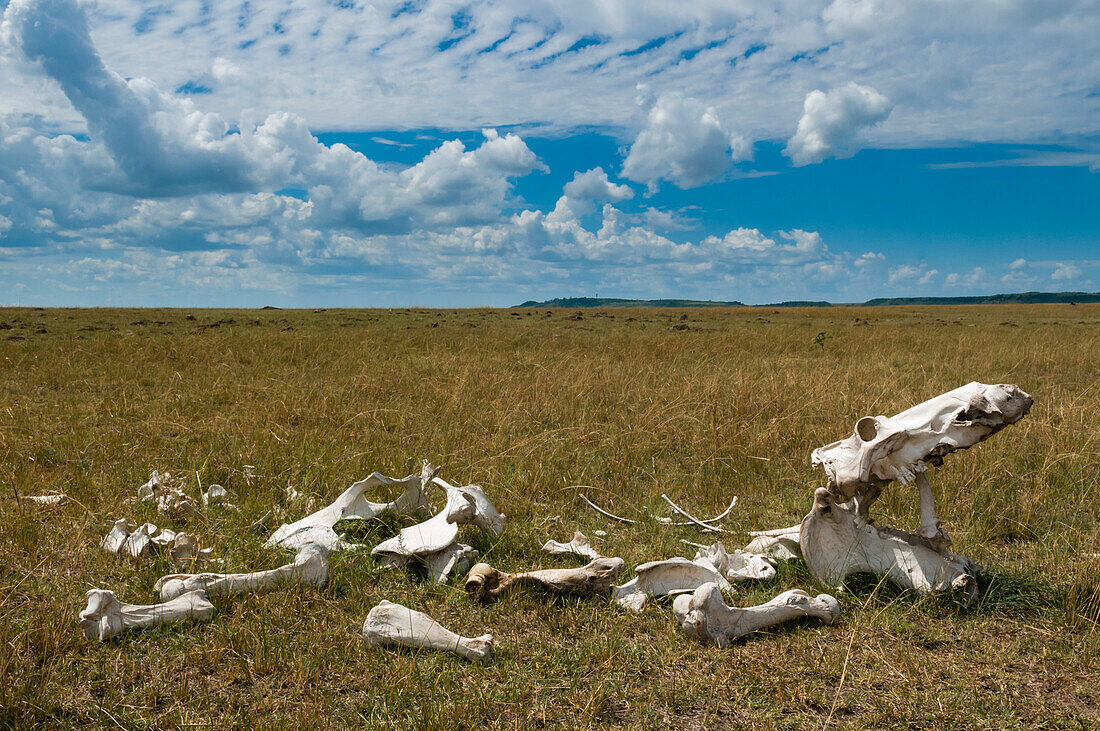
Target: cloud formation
x=831, y=121
x=682, y=142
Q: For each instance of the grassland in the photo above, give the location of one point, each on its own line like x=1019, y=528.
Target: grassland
x=532, y=405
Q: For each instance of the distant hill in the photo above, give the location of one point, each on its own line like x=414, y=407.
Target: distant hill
x=1020, y=298
x=609, y=302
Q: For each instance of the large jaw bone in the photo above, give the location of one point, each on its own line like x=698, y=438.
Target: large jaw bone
x=393, y=624
x=310, y=566
x=105, y=616
x=836, y=542
x=486, y=584
x=704, y=616
x=353, y=505
x=579, y=546
x=900, y=447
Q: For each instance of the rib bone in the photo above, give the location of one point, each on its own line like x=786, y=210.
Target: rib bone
x=310, y=566
x=353, y=505
x=579, y=546
x=706, y=617
x=486, y=584
x=105, y=616
x=393, y=624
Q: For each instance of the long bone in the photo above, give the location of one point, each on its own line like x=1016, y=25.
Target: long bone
x=394, y=624
x=310, y=566
x=579, y=546
x=105, y=616
x=353, y=504
x=838, y=538
x=486, y=584
x=706, y=617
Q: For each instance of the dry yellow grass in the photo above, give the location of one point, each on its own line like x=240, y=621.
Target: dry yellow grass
x=532, y=404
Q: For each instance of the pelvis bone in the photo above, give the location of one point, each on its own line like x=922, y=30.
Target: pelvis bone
x=704, y=616
x=393, y=624
x=838, y=537
x=353, y=505
x=310, y=566
x=105, y=616
x=486, y=584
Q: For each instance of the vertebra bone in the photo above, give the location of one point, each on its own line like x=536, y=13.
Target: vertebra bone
x=579, y=546
x=310, y=566
x=105, y=616
x=394, y=624
x=706, y=617
x=486, y=584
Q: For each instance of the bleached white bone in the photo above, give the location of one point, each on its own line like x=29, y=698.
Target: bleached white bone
x=693, y=520
x=485, y=515
x=45, y=499
x=112, y=542
x=456, y=558
x=837, y=542
x=148, y=490
x=468, y=504
x=394, y=624
x=216, y=495
x=900, y=447
x=139, y=543
x=781, y=543
x=310, y=566
x=579, y=545
x=105, y=616
x=706, y=617
x=737, y=566
x=486, y=584
x=603, y=512
x=353, y=505
x=662, y=578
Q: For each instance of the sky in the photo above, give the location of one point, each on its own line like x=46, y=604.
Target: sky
x=457, y=154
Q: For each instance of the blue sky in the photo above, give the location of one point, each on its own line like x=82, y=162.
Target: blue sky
x=464, y=154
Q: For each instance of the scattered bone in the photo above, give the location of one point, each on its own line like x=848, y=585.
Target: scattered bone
x=310, y=566
x=353, y=504
x=112, y=542
x=293, y=496
x=706, y=617
x=781, y=543
x=216, y=495
x=600, y=533
x=105, y=616
x=838, y=537
x=139, y=544
x=394, y=624
x=45, y=499
x=695, y=521
x=456, y=558
x=662, y=578
x=737, y=566
x=144, y=541
x=486, y=584
x=579, y=545
x=601, y=511
x=262, y=522
x=148, y=490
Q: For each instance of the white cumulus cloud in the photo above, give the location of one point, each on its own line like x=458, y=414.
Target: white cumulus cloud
x=832, y=120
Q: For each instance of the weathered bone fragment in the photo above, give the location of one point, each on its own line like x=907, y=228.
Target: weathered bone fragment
x=579, y=545
x=105, y=616
x=112, y=542
x=144, y=541
x=838, y=537
x=454, y=559
x=310, y=566
x=216, y=495
x=781, y=543
x=45, y=499
x=706, y=617
x=394, y=624
x=603, y=512
x=695, y=521
x=737, y=566
x=353, y=504
x=486, y=584
x=139, y=544
x=662, y=578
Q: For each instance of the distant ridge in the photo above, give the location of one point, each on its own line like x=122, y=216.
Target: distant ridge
x=1019, y=298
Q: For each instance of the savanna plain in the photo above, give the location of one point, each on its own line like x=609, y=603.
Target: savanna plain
x=539, y=406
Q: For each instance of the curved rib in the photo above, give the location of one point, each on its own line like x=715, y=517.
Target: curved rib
x=601, y=511
x=693, y=519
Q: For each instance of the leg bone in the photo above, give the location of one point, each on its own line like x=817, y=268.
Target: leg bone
x=310, y=566
x=704, y=616
x=105, y=616
x=486, y=584
x=393, y=624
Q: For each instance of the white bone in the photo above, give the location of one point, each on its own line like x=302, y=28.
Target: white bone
x=486, y=584
x=139, y=543
x=900, y=447
x=838, y=542
x=694, y=520
x=454, y=559
x=601, y=511
x=661, y=578
x=148, y=490
x=838, y=538
x=45, y=499
x=781, y=543
x=468, y=504
x=579, y=545
x=112, y=542
x=216, y=495
x=105, y=616
x=353, y=505
x=706, y=617
x=393, y=624
x=737, y=566
x=310, y=566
